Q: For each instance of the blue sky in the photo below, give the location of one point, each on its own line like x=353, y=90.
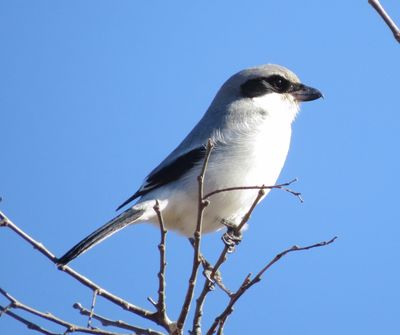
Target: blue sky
x=93, y=94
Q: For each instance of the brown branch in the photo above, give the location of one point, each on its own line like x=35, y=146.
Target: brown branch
x=152, y=316
x=208, y=284
x=385, y=16
x=237, y=233
x=161, y=305
x=202, y=204
x=27, y=323
x=115, y=323
x=6, y=222
x=263, y=187
x=248, y=282
x=70, y=327
x=198, y=314
x=232, y=237
x=220, y=330
x=246, y=218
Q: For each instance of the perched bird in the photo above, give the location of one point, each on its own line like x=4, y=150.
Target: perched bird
x=249, y=123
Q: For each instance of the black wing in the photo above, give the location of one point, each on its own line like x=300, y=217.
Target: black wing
x=169, y=173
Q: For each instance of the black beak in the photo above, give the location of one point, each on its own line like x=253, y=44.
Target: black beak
x=305, y=93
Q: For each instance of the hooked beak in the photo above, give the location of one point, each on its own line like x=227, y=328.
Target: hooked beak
x=306, y=93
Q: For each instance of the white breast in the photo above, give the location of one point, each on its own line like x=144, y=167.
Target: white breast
x=248, y=154
x=255, y=159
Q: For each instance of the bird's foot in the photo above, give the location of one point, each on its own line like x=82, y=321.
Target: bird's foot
x=232, y=236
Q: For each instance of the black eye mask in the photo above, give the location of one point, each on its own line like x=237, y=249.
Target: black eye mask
x=259, y=86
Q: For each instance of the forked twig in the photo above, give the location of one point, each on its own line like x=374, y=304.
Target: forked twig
x=6, y=222
x=231, y=238
x=208, y=284
x=116, y=323
x=70, y=327
x=248, y=282
x=263, y=187
x=236, y=231
x=26, y=322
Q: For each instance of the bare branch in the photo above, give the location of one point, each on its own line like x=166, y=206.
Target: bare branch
x=246, y=218
x=263, y=187
x=294, y=248
x=70, y=327
x=385, y=16
x=161, y=305
x=115, y=323
x=95, y=292
x=6, y=222
x=248, y=282
x=208, y=284
x=27, y=323
x=202, y=204
x=231, y=237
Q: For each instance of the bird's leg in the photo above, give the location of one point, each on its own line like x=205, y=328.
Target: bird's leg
x=232, y=236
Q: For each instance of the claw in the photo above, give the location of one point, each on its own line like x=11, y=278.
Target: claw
x=232, y=237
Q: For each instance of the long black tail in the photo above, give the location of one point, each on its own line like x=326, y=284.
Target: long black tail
x=111, y=227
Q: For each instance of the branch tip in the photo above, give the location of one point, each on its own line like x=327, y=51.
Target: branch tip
x=248, y=282
x=151, y=300
x=386, y=18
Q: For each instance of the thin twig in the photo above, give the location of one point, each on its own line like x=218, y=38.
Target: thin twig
x=95, y=292
x=208, y=284
x=161, y=305
x=6, y=222
x=116, y=323
x=246, y=218
x=263, y=187
x=385, y=16
x=70, y=327
x=202, y=204
x=151, y=300
x=248, y=282
x=27, y=323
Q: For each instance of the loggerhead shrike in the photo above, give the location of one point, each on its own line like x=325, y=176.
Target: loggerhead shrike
x=249, y=123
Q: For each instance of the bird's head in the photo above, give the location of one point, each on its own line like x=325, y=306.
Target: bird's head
x=270, y=90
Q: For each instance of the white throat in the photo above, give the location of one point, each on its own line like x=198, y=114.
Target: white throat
x=280, y=107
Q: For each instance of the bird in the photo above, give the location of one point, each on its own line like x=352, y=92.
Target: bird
x=249, y=123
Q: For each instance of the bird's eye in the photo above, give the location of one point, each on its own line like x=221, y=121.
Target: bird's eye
x=279, y=84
